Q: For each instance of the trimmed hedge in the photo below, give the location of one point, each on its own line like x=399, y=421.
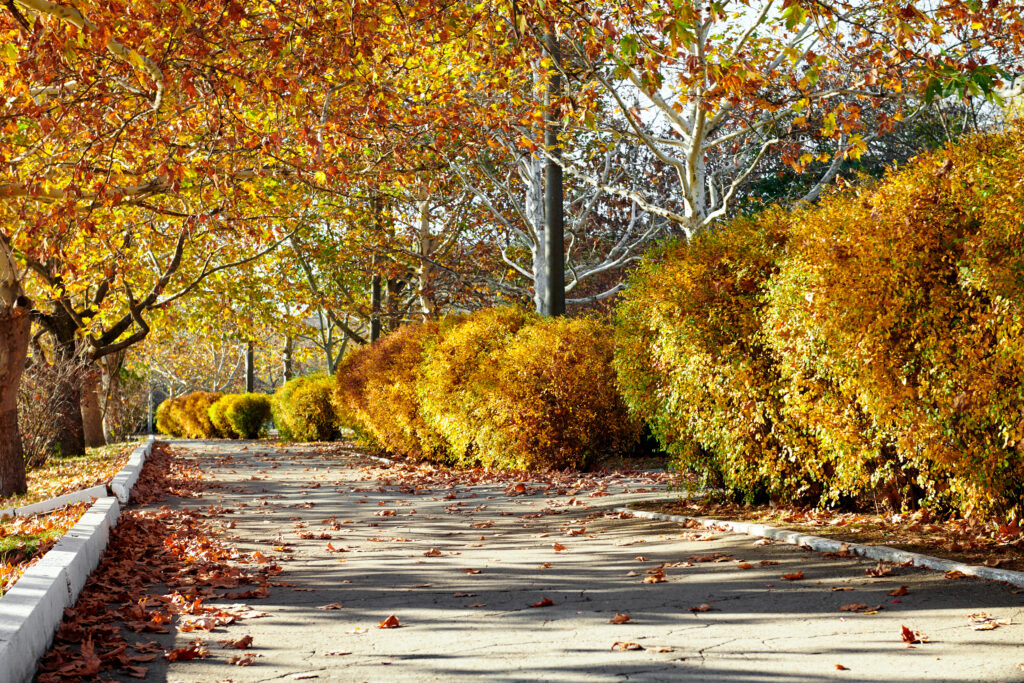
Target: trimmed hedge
x=188, y=416
x=500, y=388
x=304, y=409
x=247, y=413
x=868, y=349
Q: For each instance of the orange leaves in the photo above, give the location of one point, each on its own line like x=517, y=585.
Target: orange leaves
x=558, y=547
x=545, y=602
x=239, y=644
x=433, y=552
x=795, y=576
x=655, y=576
x=619, y=619
x=623, y=646
x=195, y=650
x=860, y=607
x=899, y=592
x=390, y=622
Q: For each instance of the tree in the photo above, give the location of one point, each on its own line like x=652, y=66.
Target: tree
x=715, y=91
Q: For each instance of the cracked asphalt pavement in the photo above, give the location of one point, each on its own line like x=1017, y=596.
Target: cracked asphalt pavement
x=468, y=569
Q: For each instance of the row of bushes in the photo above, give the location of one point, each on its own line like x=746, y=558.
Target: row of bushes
x=871, y=346
x=302, y=409
x=208, y=415
x=501, y=388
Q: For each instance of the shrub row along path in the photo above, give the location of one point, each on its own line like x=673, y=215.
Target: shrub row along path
x=468, y=569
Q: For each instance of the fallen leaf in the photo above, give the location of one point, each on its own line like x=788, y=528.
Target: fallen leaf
x=472, y=571
x=333, y=605
x=337, y=653
x=390, y=622
x=558, y=547
x=705, y=607
x=433, y=552
x=243, y=660
x=955, y=574
x=546, y=565
x=546, y=602
x=619, y=619
x=622, y=646
x=661, y=648
x=478, y=604
x=239, y=644
x=464, y=595
x=902, y=590
x=860, y=607
x=656, y=577
x=881, y=569
x=195, y=650
x=840, y=667
x=744, y=565
x=795, y=576
x=910, y=637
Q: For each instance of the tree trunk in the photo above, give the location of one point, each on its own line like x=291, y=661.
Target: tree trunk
x=288, y=369
x=554, y=241
x=92, y=416
x=250, y=369
x=110, y=395
x=15, y=328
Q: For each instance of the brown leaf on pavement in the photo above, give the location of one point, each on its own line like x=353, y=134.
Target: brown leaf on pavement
x=195, y=650
x=464, y=595
x=619, y=619
x=744, y=565
x=881, y=569
x=795, y=576
x=840, y=667
x=705, y=607
x=390, y=622
x=558, y=547
x=657, y=576
x=546, y=602
x=910, y=637
x=433, y=552
x=902, y=590
x=472, y=571
x=622, y=646
x=239, y=644
x=860, y=607
x=333, y=605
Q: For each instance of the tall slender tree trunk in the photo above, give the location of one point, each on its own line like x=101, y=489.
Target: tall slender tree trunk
x=110, y=395
x=66, y=352
x=15, y=329
x=288, y=363
x=250, y=369
x=554, y=238
x=92, y=416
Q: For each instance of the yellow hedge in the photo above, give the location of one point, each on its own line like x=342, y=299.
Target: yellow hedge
x=500, y=388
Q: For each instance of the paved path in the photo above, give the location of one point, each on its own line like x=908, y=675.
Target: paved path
x=479, y=625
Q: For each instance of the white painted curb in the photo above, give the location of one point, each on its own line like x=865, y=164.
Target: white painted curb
x=83, y=496
x=829, y=545
x=32, y=610
x=122, y=483
x=129, y=474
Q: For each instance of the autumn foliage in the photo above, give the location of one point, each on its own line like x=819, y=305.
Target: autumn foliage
x=869, y=347
x=304, y=409
x=501, y=388
x=207, y=415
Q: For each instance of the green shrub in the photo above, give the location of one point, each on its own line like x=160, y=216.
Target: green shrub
x=218, y=417
x=166, y=420
x=554, y=404
x=908, y=299
x=304, y=409
x=193, y=414
x=871, y=347
x=247, y=413
x=376, y=393
x=692, y=361
x=457, y=373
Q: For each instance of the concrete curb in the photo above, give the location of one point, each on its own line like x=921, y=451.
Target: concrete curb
x=51, y=504
x=124, y=479
x=32, y=610
x=122, y=483
x=829, y=545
